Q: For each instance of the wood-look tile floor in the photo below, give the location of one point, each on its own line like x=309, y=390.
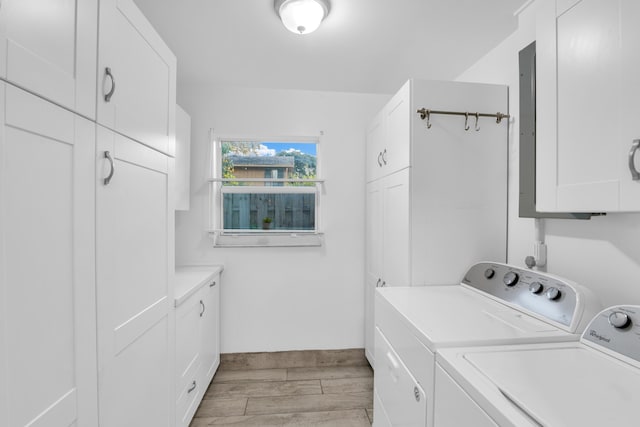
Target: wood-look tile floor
x=315, y=389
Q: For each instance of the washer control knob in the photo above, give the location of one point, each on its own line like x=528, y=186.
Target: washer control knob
x=489, y=273
x=510, y=279
x=619, y=320
x=536, y=287
x=553, y=294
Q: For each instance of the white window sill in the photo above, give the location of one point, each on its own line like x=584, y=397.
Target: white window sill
x=265, y=239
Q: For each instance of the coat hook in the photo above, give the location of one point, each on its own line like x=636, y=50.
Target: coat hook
x=477, y=127
x=466, y=121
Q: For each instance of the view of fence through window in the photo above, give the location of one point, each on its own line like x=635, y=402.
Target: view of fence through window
x=264, y=185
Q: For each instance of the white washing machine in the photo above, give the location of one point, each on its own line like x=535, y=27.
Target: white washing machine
x=591, y=383
x=495, y=304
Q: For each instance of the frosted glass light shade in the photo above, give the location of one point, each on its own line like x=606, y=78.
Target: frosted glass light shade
x=302, y=16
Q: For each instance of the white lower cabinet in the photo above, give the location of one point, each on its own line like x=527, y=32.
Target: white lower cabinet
x=47, y=279
x=197, y=336
x=135, y=296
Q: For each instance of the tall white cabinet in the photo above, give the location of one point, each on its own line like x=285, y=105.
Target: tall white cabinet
x=588, y=134
x=86, y=216
x=47, y=279
x=436, y=197
x=134, y=297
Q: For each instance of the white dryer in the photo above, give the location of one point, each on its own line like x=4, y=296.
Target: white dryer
x=495, y=304
x=591, y=383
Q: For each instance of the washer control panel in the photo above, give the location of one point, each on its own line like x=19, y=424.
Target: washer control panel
x=617, y=328
x=548, y=297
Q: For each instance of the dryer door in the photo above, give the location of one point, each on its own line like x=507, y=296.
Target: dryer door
x=398, y=393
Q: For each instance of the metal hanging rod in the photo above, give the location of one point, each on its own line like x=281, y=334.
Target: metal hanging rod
x=426, y=114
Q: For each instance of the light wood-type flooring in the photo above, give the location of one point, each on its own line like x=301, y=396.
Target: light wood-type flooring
x=296, y=388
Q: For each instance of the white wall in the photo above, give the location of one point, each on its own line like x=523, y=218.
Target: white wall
x=602, y=253
x=285, y=298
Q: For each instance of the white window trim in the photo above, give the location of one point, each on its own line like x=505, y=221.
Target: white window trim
x=260, y=238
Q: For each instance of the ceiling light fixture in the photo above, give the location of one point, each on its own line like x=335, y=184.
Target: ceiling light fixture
x=302, y=16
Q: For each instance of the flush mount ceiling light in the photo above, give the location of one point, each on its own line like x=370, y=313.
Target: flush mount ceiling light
x=302, y=16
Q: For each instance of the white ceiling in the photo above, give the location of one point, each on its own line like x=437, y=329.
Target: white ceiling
x=362, y=46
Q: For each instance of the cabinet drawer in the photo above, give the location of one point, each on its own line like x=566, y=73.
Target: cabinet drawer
x=188, y=401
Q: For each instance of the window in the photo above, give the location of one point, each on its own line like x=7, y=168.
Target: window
x=264, y=188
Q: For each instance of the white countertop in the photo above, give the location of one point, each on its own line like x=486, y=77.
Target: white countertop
x=190, y=278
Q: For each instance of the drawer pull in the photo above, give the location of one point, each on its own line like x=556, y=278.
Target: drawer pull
x=212, y=284
x=203, y=308
x=108, y=95
x=379, y=156
x=635, y=175
x=416, y=393
x=193, y=387
x=107, y=156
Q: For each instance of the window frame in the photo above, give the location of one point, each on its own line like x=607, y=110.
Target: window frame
x=259, y=237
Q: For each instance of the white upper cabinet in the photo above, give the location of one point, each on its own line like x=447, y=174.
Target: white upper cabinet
x=388, y=137
x=587, y=109
x=50, y=49
x=136, y=77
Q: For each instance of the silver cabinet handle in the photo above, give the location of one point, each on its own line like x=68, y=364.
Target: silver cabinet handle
x=212, y=284
x=635, y=175
x=193, y=387
x=108, y=95
x=203, y=308
x=107, y=156
x=416, y=393
x=384, y=156
x=379, y=156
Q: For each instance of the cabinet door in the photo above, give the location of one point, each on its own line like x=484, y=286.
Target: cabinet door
x=395, y=229
x=376, y=133
x=210, y=337
x=49, y=47
x=135, y=302
x=397, y=144
x=587, y=92
x=374, y=273
x=47, y=285
x=141, y=77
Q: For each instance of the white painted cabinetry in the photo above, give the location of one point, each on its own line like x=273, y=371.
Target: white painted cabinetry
x=197, y=336
x=439, y=203
x=86, y=296
x=135, y=297
x=387, y=150
x=136, y=77
x=587, y=109
x=48, y=47
x=47, y=264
